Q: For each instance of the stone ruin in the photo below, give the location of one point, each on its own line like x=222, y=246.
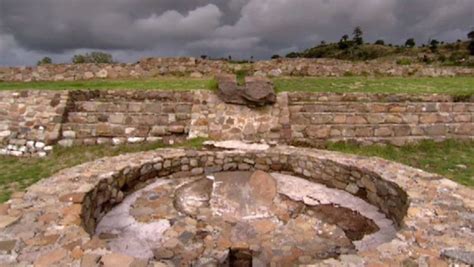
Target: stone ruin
x=256, y=92
x=252, y=206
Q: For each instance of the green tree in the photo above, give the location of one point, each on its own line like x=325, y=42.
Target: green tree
x=434, y=45
x=93, y=57
x=380, y=42
x=410, y=43
x=357, y=36
x=344, y=43
x=471, y=43
x=275, y=56
x=292, y=55
x=44, y=61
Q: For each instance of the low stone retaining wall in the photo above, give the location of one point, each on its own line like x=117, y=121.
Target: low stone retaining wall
x=51, y=224
x=31, y=120
x=197, y=68
x=378, y=118
x=101, y=117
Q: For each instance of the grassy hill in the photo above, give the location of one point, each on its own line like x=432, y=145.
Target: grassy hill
x=453, y=54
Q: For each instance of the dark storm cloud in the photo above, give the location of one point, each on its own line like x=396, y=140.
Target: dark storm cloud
x=129, y=29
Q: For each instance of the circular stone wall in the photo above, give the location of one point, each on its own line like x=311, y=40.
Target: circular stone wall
x=53, y=223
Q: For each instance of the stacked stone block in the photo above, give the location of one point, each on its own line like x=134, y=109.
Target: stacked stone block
x=198, y=68
x=368, y=119
x=117, y=117
x=30, y=121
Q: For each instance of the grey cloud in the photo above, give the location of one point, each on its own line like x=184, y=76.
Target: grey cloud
x=129, y=29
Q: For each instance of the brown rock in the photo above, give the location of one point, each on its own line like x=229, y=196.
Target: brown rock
x=4, y=209
x=116, y=259
x=6, y=221
x=76, y=198
x=90, y=260
x=7, y=245
x=264, y=186
x=50, y=258
x=258, y=91
x=163, y=253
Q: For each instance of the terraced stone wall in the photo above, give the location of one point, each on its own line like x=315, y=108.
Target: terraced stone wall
x=378, y=118
x=101, y=117
x=214, y=119
x=197, y=68
x=30, y=121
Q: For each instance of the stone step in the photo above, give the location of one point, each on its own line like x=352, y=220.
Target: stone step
x=397, y=141
x=128, y=118
x=132, y=106
x=387, y=130
x=86, y=130
x=378, y=118
x=380, y=107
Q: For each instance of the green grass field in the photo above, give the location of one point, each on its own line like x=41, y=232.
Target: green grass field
x=455, y=86
x=445, y=85
x=452, y=159
x=158, y=84
x=19, y=173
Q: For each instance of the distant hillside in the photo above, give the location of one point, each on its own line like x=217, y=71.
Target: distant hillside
x=454, y=54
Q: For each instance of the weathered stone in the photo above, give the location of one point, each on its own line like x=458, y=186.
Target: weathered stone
x=459, y=255
x=90, y=260
x=51, y=258
x=6, y=221
x=7, y=245
x=258, y=91
x=116, y=259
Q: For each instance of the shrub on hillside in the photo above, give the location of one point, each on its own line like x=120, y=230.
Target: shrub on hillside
x=404, y=61
x=93, y=57
x=44, y=61
x=410, y=43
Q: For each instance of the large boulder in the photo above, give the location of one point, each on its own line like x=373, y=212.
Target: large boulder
x=229, y=91
x=257, y=92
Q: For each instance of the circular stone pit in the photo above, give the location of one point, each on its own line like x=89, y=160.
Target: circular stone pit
x=55, y=222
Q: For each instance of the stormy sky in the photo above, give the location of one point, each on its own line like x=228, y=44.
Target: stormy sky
x=131, y=29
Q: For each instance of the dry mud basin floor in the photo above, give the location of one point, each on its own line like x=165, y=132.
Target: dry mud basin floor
x=280, y=204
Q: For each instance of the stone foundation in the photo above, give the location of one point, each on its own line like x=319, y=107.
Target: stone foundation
x=51, y=224
x=197, y=68
x=31, y=121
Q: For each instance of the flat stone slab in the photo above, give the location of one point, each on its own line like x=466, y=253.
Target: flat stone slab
x=243, y=195
x=6, y=220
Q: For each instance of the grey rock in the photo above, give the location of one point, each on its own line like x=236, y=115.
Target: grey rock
x=459, y=255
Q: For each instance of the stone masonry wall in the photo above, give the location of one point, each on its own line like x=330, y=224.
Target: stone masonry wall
x=197, y=68
x=382, y=118
x=32, y=121
x=214, y=119
x=100, y=117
